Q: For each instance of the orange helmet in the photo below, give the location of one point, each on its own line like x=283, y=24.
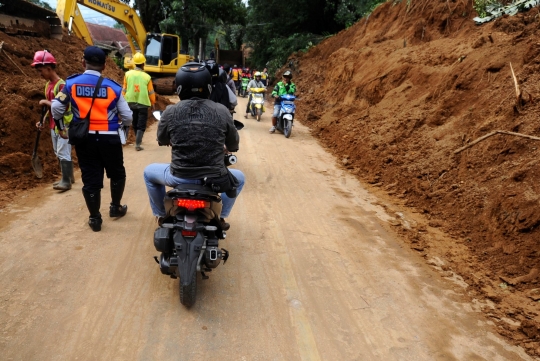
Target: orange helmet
x=43, y=57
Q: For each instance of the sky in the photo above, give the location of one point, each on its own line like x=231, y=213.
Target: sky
x=89, y=15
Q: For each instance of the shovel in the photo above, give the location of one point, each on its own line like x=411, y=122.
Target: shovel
x=36, y=163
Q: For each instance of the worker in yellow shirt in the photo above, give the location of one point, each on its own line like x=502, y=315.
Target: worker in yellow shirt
x=139, y=93
x=236, y=76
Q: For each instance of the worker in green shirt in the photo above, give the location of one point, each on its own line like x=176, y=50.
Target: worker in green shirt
x=139, y=93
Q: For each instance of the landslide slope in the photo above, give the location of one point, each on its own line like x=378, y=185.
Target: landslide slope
x=19, y=109
x=397, y=93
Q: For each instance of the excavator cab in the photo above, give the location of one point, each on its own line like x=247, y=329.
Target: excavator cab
x=162, y=53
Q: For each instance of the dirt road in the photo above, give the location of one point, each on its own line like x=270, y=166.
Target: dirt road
x=313, y=275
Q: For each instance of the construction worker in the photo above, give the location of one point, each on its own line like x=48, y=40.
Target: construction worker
x=45, y=63
x=286, y=86
x=139, y=93
x=236, y=72
x=264, y=76
x=102, y=149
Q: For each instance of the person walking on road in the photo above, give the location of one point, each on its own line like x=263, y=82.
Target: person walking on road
x=286, y=86
x=264, y=76
x=197, y=129
x=45, y=63
x=236, y=72
x=139, y=93
x=102, y=149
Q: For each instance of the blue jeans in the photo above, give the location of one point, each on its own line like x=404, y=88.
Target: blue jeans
x=158, y=175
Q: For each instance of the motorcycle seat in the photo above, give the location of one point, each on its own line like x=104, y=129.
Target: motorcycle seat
x=193, y=190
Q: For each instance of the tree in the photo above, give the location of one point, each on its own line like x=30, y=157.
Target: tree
x=41, y=3
x=193, y=19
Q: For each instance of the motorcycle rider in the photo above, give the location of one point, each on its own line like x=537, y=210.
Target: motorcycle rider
x=220, y=91
x=286, y=86
x=198, y=129
x=229, y=81
x=254, y=83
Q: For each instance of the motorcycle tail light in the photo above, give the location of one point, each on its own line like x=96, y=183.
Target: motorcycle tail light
x=192, y=204
x=189, y=233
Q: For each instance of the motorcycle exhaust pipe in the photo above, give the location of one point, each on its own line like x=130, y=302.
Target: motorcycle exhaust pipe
x=212, y=257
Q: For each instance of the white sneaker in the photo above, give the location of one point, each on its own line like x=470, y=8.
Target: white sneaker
x=272, y=130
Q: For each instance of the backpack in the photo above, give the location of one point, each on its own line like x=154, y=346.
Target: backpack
x=220, y=94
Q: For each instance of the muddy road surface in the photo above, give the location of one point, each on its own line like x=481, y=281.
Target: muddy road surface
x=314, y=274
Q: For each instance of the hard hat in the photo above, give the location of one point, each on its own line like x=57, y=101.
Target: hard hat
x=138, y=58
x=288, y=74
x=43, y=57
x=257, y=74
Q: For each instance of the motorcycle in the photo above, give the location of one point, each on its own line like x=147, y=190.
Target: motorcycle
x=256, y=107
x=188, y=238
x=286, y=115
x=243, y=87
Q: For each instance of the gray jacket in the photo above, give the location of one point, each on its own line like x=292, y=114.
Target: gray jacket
x=197, y=130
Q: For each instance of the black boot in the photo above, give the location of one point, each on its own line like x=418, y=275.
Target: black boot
x=67, y=170
x=138, y=140
x=224, y=225
x=60, y=165
x=93, y=202
x=72, y=174
x=117, y=190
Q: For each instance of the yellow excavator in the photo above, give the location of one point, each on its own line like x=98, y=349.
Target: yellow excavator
x=162, y=51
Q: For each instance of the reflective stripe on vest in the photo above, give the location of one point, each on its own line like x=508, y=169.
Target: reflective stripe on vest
x=104, y=115
x=137, y=87
x=68, y=115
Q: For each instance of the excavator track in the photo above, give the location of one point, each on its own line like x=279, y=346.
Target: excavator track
x=164, y=86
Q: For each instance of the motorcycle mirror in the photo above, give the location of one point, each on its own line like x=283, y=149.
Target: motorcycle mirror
x=238, y=125
x=157, y=114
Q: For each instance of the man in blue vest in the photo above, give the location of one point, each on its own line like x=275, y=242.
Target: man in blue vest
x=102, y=150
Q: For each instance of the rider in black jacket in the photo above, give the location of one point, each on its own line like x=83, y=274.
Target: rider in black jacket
x=198, y=129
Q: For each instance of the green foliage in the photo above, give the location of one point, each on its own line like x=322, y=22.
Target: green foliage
x=41, y=3
x=350, y=11
x=481, y=6
x=194, y=19
x=282, y=48
x=294, y=23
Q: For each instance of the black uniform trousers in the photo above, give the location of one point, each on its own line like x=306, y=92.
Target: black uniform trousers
x=100, y=153
x=140, y=117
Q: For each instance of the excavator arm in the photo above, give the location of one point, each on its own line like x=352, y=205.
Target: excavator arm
x=69, y=13
x=74, y=22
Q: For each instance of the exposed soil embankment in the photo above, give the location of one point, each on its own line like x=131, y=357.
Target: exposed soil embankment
x=19, y=109
x=396, y=94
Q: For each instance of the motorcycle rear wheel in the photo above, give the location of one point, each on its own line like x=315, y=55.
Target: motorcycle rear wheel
x=188, y=293
x=287, y=128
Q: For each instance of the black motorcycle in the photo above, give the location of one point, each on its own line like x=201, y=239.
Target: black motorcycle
x=188, y=238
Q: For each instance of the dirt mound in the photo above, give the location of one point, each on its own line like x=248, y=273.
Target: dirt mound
x=19, y=108
x=396, y=94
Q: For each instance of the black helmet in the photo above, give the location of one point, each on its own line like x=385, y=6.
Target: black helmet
x=223, y=76
x=213, y=68
x=288, y=74
x=193, y=80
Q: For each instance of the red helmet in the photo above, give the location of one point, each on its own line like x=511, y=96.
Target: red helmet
x=43, y=57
